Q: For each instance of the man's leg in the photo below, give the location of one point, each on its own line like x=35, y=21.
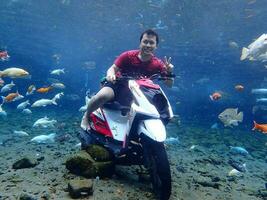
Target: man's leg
x=104, y=95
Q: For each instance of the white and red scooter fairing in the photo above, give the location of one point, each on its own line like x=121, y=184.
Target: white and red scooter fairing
x=110, y=123
x=152, y=126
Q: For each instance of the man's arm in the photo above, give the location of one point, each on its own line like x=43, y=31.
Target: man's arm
x=111, y=73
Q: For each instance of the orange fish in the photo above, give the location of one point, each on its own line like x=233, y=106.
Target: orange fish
x=44, y=89
x=215, y=96
x=239, y=88
x=260, y=127
x=10, y=97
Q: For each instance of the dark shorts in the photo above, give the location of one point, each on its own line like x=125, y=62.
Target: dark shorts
x=121, y=91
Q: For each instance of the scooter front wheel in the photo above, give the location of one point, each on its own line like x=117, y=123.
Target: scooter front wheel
x=159, y=169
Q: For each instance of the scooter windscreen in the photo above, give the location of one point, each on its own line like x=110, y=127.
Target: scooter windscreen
x=156, y=98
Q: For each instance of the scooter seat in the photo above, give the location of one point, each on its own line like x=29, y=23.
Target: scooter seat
x=116, y=106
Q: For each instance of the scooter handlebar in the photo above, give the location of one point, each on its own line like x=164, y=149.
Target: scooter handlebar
x=152, y=77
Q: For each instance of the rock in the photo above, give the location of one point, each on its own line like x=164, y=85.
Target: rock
x=104, y=169
x=181, y=169
x=45, y=195
x=262, y=193
x=99, y=153
x=40, y=158
x=215, y=179
x=207, y=183
x=84, y=165
x=80, y=164
x=26, y=197
x=80, y=188
x=25, y=163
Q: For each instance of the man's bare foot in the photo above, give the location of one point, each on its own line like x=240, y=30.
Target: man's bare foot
x=84, y=123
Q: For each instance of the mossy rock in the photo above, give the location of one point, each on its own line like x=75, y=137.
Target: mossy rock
x=80, y=188
x=26, y=162
x=104, y=169
x=80, y=164
x=83, y=164
x=99, y=153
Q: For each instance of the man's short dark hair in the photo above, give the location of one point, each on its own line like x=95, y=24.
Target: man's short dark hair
x=150, y=32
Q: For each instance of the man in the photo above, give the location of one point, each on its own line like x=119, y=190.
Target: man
x=140, y=62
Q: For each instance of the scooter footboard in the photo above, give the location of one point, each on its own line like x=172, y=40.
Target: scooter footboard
x=153, y=128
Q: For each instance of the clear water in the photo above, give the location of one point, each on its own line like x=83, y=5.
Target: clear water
x=84, y=37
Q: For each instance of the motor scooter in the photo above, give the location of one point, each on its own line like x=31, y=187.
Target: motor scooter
x=135, y=134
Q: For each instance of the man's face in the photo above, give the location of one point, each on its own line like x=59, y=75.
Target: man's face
x=148, y=44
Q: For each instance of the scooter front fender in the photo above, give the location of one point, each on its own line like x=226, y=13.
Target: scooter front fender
x=153, y=128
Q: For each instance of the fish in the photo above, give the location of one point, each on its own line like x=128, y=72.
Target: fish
x=52, y=80
x=21, y=133
x=44, y=89
x=23, y=105
x=57, y=71
x=239, y=88
x=215, y=96
x=233, y=45
x=78, y=145
x=262, y=57
x=238, y=166
x=262, y=100
x=44, y=138
x=14, y=72
x=43, y=102
x=215, y=126
x=259, y=91
x=12, y=97
x=72, y=97
x=30, y=90
x=7, y=87
x=239, y=150
x=2, y=82
x=257, y=108
x=58, y=96
x=172, y=140
x=230, y=117
x=2, y=112
x=255, y=49
x=235, y=172
x=44, y=122
x=202, y=80
x=89, y=65
x=26, y=111
x=4, y=56
x=58, y=85
x=260, y=127
x=192, y=147
x=84, y=108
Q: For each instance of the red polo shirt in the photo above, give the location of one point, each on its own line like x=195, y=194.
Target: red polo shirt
x=129, y=63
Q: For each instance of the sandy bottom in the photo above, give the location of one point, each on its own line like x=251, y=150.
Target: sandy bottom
x=207, y=162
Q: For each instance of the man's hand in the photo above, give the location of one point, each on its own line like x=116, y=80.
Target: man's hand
x=169, y=68
x=111, y=77
x=111, y=73
x=167, y=62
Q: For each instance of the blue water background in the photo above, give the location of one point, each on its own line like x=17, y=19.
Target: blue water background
x=196, y=34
